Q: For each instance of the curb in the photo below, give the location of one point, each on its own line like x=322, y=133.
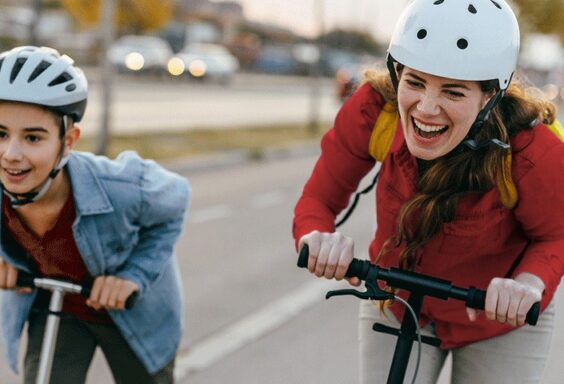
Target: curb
x=233, y=158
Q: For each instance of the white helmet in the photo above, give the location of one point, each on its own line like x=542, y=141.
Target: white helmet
x=40, y=75
x=464, y=40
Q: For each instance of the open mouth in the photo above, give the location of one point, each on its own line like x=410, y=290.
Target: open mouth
x=428, y=131
x=16, y=172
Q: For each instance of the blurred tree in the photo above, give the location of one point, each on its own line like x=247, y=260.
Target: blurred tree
x=132, y=15
x=545, y=16
x=351, y=40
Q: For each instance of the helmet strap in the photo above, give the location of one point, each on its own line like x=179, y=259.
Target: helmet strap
x=390, y=63
x=469, y=141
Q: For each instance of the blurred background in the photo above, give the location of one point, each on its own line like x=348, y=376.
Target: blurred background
x=235, y=95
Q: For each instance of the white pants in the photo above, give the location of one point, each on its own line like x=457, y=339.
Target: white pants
x=519, y=356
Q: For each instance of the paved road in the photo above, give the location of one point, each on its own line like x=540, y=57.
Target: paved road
x=252, y=316
x=251, y=100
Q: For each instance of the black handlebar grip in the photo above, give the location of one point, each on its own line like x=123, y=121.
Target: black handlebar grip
x=25, y=280
x=357, y=268
x=303, y=257
x=129, y=302
x=477, y=299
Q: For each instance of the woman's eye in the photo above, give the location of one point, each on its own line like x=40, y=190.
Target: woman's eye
x=414, y=84
x=3, y=134
x=455, y=94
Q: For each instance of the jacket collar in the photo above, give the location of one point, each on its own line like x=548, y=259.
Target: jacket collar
x=90, y=197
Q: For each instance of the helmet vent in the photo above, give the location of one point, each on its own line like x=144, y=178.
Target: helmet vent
x=439, y=2
x=421, y=34
x=39, y=70
x=472, y=9
x=17, y=68
x=462, y=43
x=63, y=78
x=1, y=62
x=496, y=4
x=70, y=87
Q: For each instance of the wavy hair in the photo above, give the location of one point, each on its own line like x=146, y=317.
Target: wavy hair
x=444, y=181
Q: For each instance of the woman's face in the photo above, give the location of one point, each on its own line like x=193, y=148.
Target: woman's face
x=436, y=112
x=29, y=146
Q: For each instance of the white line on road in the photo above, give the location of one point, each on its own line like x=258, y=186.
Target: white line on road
x=252, y=327
x=268, y=199
x=212, y=213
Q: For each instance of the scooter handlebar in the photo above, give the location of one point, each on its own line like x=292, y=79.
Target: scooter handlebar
x=27, y=280
x=473, y=297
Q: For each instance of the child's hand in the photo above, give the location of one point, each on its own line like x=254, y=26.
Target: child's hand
x=110, y=292
x=9, y=276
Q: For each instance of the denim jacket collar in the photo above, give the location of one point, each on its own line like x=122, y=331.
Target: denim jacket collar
x=90, y=198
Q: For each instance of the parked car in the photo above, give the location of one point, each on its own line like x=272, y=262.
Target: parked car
x=204, y=61
x=134, y=53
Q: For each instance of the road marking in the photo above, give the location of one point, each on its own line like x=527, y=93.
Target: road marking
x=251, y=328
x=212, y=213
x=266, y=200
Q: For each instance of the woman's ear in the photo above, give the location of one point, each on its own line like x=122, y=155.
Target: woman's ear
x=71, y=137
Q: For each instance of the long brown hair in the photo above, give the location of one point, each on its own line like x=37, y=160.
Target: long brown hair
x=444, y=181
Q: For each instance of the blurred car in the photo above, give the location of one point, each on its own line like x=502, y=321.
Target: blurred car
x=135, y=53
x=204, y=61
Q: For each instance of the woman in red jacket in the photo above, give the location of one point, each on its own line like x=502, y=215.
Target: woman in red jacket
x=471, y=191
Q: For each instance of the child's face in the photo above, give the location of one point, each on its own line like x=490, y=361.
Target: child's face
x=436, y=112
x=29, y=145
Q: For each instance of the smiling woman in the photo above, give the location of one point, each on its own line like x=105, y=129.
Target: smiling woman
x=469, y=191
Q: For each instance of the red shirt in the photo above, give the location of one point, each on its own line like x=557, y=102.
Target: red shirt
x=56, y=255
x=485, y=240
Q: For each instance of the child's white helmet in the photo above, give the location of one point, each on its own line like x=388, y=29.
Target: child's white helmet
x=40, y=75
x=464, y=40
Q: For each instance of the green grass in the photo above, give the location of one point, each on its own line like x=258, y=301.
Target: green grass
x=170, y=145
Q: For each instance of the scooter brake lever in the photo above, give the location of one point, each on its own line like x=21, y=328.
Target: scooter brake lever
x=373, y=292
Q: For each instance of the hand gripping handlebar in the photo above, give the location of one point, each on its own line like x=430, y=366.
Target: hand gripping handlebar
x=410, y=281
x=27, y=280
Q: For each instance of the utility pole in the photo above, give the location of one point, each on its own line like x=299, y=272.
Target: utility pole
x=37, y=8
x=316, y=72
x=107, y=31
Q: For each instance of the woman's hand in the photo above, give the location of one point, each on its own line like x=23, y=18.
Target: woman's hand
x=110, y=292
x=329, y=255
x=509, y=300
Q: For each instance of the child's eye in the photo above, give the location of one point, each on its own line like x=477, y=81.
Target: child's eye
x=3, y=134
x=33, y=138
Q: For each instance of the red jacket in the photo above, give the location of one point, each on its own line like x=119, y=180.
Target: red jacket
x=485, y=240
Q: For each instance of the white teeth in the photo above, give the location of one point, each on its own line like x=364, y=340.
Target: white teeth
x=428, y=128
x=15, y=172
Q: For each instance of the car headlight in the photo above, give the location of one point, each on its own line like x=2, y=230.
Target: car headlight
x=197, y=68
x=176, y=66
x=134, y=61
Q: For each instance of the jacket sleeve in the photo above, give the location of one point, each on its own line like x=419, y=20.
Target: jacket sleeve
x=344, y=161
x=541, y=214
x=165, y=198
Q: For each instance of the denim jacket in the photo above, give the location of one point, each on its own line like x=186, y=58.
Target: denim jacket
x=129, y=214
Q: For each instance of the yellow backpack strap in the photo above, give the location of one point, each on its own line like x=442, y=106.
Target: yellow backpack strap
x=557, y=129
x=383, y=132
x=505, y=184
